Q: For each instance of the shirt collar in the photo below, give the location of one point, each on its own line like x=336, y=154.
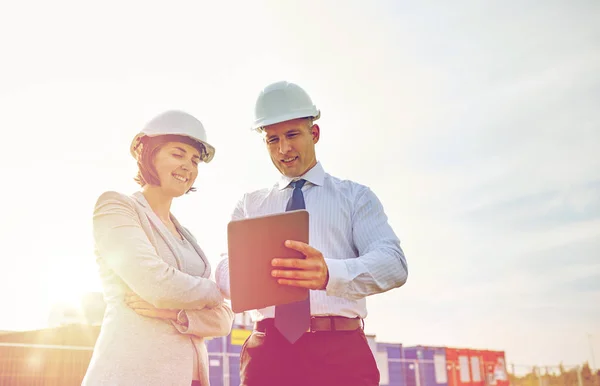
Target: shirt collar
x=315, y=175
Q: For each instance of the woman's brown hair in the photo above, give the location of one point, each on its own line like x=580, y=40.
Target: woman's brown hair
x=149, y=147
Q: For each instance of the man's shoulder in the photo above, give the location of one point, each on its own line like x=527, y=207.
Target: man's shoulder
x=258, y=193
x=345, y=185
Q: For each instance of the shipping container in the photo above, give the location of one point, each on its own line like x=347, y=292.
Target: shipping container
x=224, y=356
x=216, y=360
x=494, y=368
x=390, y=364
x=216, y=345
x=216, y=363
x=458, y=367
x=476, y=367
x=60, y=356
x=429, y=363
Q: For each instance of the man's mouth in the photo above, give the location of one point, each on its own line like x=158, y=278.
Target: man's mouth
x=289, y=160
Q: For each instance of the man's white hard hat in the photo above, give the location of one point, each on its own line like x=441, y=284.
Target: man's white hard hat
x=282, y=101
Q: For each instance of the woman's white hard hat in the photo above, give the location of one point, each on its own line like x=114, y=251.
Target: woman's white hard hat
x=174, y=122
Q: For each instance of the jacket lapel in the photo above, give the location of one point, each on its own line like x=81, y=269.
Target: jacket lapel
x=166, y=235
x=161, y=229
x=192, y=240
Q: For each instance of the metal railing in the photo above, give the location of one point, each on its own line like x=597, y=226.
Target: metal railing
x=63, y=365
x=43, y=365
x=561, y=375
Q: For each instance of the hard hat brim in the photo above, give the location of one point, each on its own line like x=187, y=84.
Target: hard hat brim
x=210, y=150
x=258, y=124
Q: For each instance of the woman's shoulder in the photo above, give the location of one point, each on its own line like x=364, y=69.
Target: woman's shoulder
x=114, y=195
x=116, y=198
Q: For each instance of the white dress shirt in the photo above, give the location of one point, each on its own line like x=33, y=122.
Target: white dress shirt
x=349, y=227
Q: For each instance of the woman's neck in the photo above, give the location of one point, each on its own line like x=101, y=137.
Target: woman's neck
x=160, y=204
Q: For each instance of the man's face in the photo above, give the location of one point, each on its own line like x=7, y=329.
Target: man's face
x=291, y=145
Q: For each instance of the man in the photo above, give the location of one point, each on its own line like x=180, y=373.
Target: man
x=353, y=253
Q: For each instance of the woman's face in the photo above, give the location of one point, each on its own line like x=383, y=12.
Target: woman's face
x=176, y=164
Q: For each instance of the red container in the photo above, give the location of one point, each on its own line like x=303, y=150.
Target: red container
x=457, y=361
x=494, y=364
x=476, y=367
x=465, y=367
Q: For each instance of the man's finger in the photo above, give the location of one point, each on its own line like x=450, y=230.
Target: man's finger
x=301, y=247
x=295, y=274
x=310, y=284
x=293, y=263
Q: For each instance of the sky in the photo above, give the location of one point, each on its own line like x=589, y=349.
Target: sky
x=475, y=123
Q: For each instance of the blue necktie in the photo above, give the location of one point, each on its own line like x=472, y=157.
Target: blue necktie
x=293, y=319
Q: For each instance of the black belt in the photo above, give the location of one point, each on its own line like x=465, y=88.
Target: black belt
x=318, y=323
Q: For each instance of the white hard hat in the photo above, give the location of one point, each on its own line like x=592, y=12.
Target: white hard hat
x=174, y=122
x=282, y=101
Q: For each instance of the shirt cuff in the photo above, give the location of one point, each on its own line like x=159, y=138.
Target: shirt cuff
x=222, y=278
x=338, y=277
x=182, y=319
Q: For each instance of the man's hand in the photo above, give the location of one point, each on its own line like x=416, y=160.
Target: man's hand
x=311, y=273
x=142, y=307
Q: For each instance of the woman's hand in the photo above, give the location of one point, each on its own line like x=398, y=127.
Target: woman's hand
x=142, y=307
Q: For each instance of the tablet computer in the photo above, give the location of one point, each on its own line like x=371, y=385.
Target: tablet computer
x=252, y=244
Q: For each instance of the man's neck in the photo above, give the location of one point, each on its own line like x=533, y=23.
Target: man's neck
x=306, y=171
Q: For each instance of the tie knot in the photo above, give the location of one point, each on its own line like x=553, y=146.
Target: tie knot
x=298, y=184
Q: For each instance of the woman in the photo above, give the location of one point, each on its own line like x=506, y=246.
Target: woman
x=161, y=303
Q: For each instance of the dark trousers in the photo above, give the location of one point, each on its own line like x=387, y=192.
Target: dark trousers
x=325, y=358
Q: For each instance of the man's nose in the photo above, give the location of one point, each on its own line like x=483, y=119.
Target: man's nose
x=284, y=146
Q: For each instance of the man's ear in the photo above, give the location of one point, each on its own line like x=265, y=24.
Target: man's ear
x=316, y=133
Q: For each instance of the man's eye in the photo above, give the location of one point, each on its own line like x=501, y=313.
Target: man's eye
x=272, y=140
x=177, y=155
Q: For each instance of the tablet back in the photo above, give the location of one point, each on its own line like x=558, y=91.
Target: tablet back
x=252, y=244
